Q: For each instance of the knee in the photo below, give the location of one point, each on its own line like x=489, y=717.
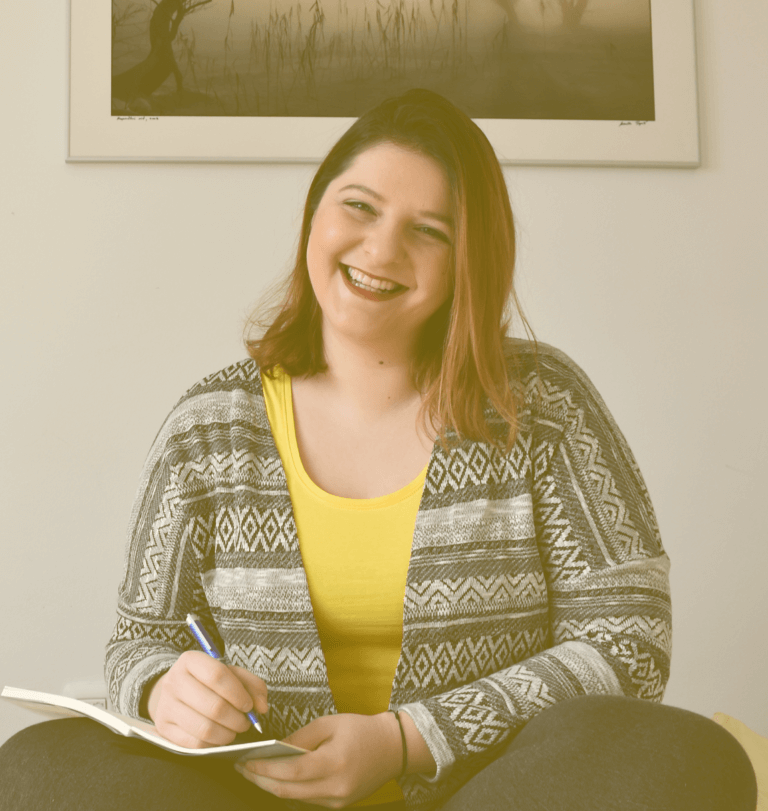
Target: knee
x=31, y=761
x=582, y=714
x=22, y=749
x=669, y=744
x=633, y=722
x=22, y=760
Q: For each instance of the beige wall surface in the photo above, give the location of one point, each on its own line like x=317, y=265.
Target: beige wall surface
x=121, y=285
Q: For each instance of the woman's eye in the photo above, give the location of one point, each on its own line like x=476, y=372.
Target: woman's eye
x=359, y=205
x=435, y=233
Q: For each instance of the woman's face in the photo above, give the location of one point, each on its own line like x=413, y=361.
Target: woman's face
x=379, y=249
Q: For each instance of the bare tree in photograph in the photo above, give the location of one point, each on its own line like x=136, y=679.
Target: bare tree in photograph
x=121, y=18
x=141, y=80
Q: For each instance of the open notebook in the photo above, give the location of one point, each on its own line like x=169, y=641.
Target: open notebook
x=54, y=706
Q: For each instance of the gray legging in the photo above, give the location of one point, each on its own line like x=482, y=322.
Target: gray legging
x=594, y=753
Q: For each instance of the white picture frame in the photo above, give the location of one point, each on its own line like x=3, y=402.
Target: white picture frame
x=95, y=134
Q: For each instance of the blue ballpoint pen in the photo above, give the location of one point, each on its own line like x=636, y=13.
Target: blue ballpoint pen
x=208, y=645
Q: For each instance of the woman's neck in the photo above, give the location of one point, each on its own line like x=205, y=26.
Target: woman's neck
x=368, y=380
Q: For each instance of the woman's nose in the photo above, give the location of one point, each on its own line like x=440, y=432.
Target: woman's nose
x=384, y=243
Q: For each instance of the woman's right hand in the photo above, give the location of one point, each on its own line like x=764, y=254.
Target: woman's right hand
x=202, y=702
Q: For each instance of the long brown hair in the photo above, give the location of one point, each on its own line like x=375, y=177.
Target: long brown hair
x=460, y=364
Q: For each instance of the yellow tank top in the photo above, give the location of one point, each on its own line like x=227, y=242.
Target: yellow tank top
x=355, y=554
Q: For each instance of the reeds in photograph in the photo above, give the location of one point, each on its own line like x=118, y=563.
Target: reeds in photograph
x=266, y=58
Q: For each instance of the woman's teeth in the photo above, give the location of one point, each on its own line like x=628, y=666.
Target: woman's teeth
x=359, y=279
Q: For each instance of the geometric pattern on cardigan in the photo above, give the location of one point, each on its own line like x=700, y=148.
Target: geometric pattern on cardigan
x=534, y=576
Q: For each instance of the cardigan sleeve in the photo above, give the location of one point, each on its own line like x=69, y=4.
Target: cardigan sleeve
x=161, y=581
x=606, y=574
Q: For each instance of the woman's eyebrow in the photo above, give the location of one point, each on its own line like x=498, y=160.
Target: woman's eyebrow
x=439, y=217
x=363, y=189
x=433, y=214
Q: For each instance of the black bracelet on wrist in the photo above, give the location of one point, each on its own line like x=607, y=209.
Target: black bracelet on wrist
x=405, y=745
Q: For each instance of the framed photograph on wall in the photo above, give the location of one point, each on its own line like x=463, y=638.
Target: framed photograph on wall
x=584, y=82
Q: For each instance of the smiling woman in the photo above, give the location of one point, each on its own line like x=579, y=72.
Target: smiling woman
x=480, y=622
x=411, y=194
x=379, y=232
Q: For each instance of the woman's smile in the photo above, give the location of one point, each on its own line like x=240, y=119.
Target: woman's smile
x=373, y=282
x=369, y=288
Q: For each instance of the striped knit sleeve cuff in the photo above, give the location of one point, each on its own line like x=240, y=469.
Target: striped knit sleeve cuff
x=592, y=671
x=134, y=681
x=434, y=738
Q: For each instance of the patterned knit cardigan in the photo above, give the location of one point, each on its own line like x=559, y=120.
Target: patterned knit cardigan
x=535, y=576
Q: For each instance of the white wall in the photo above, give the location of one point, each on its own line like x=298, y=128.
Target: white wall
x=124, y=284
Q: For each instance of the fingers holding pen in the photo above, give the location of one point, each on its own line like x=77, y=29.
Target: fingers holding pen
x=254, y=686
x=220, y=680
x=211, y=689
x=202, y=702
x=187, y=727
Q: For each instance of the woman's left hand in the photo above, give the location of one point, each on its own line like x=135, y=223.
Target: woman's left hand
x=349, y=757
